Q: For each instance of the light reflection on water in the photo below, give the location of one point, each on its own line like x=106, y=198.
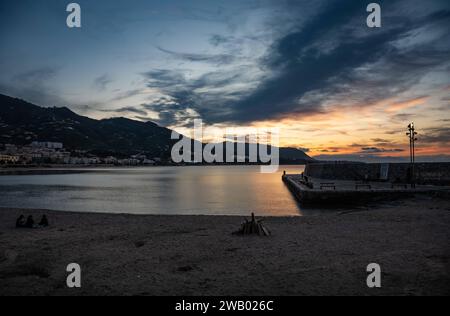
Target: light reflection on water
x=215, y=190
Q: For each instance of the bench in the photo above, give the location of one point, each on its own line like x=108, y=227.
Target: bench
x=329, y=185
x=399, y=185
x=363, y=185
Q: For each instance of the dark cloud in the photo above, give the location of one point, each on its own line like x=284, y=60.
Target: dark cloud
x=302, y=68
x=395, y=131
x=380, y=140
x=217, y=40
x=170, y=112
x=128, y=109
x=331, y=150
x=378, y=159
x=308, y=77
x=437, y=135
x=173, y=109
x=165, y=79
x=376, y=150
x=331, y=58
x=82, y=108
x=377, y=146
x=102, y=81
x=36, y=76
x=358, y=146
x=121, y=95
x=219, y=59
x=328, y=151
x=183, y=100
x=403, y=117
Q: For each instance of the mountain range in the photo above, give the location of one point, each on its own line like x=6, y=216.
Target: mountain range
x=22, y=123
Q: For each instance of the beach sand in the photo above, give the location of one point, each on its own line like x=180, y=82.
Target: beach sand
x=198, y=255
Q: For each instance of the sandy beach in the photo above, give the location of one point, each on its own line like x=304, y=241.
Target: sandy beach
x=198, y=255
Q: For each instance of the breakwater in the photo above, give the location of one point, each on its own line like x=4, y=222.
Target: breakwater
x=426, y=173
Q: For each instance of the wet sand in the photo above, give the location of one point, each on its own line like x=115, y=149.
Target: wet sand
x=198, y=255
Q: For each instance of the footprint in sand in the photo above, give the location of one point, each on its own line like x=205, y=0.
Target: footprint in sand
x=8, y=257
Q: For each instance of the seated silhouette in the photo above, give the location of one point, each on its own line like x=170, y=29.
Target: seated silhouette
x=44, y=221
x=20, y=222
x=30, y=222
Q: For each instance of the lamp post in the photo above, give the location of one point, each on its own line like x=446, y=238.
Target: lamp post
x=412, y=152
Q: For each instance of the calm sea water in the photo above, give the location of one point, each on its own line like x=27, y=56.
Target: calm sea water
x=215, y=190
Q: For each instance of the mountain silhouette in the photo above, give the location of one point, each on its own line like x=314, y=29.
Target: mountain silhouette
x=22, y=123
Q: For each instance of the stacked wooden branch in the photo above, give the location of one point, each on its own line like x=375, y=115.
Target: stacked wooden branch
x=253, y=227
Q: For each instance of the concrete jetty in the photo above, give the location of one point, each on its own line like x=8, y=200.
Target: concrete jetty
x=314, y=190
x=437, y=173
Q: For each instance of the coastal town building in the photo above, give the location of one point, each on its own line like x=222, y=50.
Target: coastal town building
x=55, y=153
x=48, y=145
x=8, y=159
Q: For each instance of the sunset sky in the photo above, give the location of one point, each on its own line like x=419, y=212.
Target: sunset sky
x=313, y=69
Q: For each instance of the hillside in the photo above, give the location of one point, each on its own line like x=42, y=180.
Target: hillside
x=22, y=123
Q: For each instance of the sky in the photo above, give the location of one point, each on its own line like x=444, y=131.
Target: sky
x=333, y=86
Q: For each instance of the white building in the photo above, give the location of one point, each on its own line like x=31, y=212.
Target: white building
x=48, y=145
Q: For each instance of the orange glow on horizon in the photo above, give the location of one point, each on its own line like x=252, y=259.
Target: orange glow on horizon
x=377, y=129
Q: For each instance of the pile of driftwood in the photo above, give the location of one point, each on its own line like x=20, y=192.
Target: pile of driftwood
x=253, y=227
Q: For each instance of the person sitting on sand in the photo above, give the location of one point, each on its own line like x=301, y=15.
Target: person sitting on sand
x=30, y=222
x=44, y=221
x=20, y=222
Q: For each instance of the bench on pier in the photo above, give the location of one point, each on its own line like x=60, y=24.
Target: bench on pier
x=328, y=185
x=363, y=185
x=399, y=185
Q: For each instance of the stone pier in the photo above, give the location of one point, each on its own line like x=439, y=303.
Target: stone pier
x=310, y=190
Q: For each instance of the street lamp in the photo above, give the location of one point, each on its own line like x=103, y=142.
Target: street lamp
x=412, y=152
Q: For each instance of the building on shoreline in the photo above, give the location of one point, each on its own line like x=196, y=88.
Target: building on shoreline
x=55, y=153
x=47, y=145
x=8, y=159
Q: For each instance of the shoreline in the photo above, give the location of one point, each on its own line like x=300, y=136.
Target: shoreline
x=125, y=254
x=78, y=169
x=93, y=213
x=63, y=169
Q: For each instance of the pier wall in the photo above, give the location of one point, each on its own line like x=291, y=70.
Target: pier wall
x=426, y=173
